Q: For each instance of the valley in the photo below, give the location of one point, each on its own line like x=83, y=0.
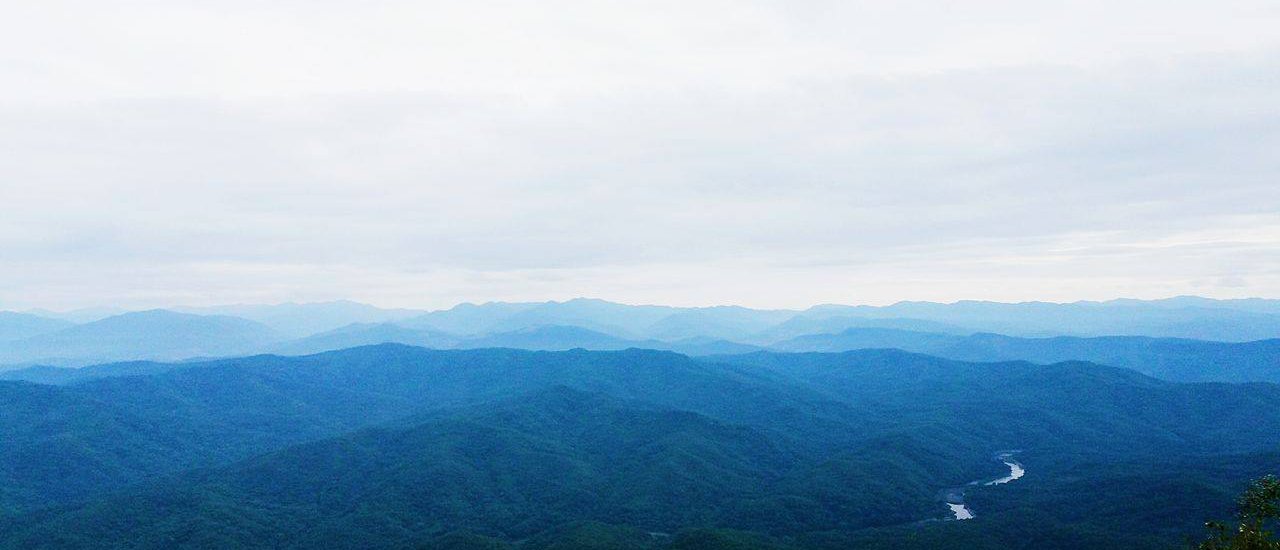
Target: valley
x=587, y=434
x=954, y=498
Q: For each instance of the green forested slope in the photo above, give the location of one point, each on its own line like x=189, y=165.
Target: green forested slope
x=393, y=446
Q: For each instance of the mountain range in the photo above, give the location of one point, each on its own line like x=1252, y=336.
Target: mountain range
x=154, y=334
x=30, y=344
x=397, y=446
x=1181, y=317
x=1176, y=359
x=17, y=326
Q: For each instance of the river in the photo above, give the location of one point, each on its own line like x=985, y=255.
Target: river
x=961, y=511
x=955, y=497
x=1015, y=471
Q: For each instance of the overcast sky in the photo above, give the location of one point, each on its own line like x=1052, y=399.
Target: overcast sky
x=691, y=152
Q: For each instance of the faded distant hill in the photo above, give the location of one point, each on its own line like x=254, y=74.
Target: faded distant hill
x=1176, y=359
x=1256, y=305
x=551, y=338
x=364, y=334
x=560, y=338
x=82, y=315
x=598, y=315
x=1185, y=317
x=620, y=320
x=815, y=322
x=547, y=338
x=16, y=326
x=156, y=334
x=1197, y=318
x=296, y=329
x=297, y=320
x=727, y=322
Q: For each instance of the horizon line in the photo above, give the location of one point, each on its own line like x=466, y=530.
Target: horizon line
x=116, y=310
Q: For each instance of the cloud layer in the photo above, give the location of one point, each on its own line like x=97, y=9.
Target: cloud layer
x=770, y=154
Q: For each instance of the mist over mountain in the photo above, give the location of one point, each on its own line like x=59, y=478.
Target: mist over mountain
x=727, y=322
x=1195, y=318
x=79, y=316
x=155, y=334
x=364, y=334
x=626, y=321
x=1184, y=317
x=17, y=326
x=298, y=320
x=817, y=320
x=1174, y=359
x=552, y=338
x=1176, y=318
x=948, y=330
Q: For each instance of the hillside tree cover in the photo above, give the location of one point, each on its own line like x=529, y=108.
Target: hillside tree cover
x=1259, y=511
x=396, y=446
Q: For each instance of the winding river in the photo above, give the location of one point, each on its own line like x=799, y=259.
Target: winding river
x=955, y=497
x=1015, y=471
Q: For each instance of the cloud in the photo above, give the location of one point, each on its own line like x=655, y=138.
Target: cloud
x=700, y=153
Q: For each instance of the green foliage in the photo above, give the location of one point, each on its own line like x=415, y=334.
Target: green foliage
x=722, y=539
x=466, y=540
x=1259, y=510
x=594, y=535
x=392, y=446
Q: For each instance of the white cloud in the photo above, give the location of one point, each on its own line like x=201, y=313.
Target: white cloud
x=696, y=152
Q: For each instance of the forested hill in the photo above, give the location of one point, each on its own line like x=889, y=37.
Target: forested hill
x=392, y=446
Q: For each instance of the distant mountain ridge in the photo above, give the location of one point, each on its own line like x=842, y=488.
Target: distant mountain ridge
x=1175, y=359
x=297, y=320
x=155, y=334
x=363, y=334
x=16, y=326
x=1182, y=317
x=597, y=324
x=542, y=337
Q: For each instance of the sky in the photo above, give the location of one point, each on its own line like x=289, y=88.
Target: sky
x=769, y=154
